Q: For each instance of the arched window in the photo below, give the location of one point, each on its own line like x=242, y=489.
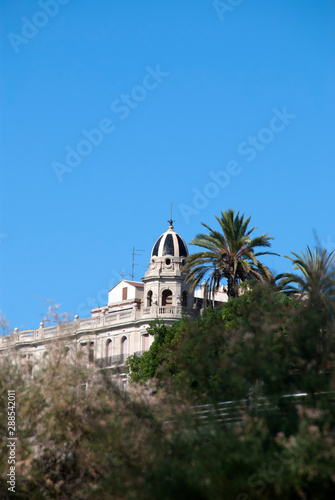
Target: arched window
x=184, y=299
x=149, y=299
x=109, y=351
x=91, y=353
x=124, y=348
x=166, y=298
x=109, y=347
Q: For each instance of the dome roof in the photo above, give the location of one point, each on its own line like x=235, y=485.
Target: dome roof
x=170, y=243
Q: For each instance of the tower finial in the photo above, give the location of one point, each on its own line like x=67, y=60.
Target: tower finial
x=171, y=221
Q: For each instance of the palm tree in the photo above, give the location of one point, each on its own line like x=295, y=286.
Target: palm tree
x=316, y=287
x=229, y=254
x=317, y=278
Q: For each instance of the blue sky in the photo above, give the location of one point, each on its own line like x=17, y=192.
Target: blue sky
x=111, y=111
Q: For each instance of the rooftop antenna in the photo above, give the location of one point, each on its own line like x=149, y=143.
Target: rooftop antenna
x=171, y=221
x=133, y=261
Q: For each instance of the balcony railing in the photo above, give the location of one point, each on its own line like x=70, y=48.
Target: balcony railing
x=107, y=361
x=118, y=359
x=63, y=329
x=155, y=311
x=87, y=324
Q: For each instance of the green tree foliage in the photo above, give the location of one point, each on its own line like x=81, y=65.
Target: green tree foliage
x=220, y=354
x=315, y=279
x=229, y=254
x=94, y=442
x=80, y=437
x=314, y=285
x=263, y=344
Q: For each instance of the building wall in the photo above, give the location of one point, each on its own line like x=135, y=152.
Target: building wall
x=123, y=321
x=109, y=323
x=116, y=294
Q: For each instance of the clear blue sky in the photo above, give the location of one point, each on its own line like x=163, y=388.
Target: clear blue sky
x=208, y=108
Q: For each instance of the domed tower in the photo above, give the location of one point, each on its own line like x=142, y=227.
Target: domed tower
x=165, y=290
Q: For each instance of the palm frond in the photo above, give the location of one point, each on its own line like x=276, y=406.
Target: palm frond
x=229, y=253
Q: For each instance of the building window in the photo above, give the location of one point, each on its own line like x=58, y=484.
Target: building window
x=109, y=351
x=124, y=386
x=124, y=293
x=83, y=351
x=145, y=342
x=166, y=298
x=149, y=299
x=124, y=348
x=91, y=353
x=109, y=348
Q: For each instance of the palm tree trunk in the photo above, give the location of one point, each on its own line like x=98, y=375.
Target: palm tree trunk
x=205, y=296
x=231, y=288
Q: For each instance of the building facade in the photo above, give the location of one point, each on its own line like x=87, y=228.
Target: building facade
x=119, y=329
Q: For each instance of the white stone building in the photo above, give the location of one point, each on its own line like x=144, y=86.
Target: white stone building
x=119, y=329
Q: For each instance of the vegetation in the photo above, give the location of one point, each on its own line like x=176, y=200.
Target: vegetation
x=229, y=254
x=316, y=279
x=263, y=338
x=81, y=437
x=218, y=355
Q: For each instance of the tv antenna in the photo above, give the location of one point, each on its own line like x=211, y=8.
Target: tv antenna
x=133, y=261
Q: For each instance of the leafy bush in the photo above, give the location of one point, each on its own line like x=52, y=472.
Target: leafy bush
x=80, y=437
